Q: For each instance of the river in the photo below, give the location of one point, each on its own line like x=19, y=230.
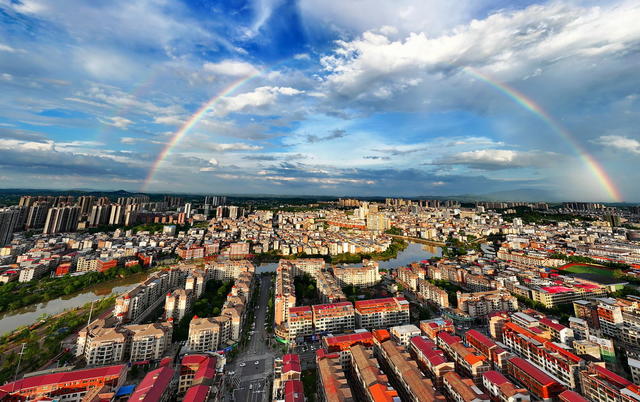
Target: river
x=414, y=252
x=30, y=314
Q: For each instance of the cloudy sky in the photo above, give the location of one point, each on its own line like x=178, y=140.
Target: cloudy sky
x=360, y=97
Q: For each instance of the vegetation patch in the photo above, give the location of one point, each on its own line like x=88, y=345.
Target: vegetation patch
x=14, y=295
x=208, y=305
x=577, y=268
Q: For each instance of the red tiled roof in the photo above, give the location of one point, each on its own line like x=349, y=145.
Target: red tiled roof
x=571, y=396
x=551, y=324
x=381, y=335
x=293, y=391
x=429, y=350
x=556, y=289
x=480, y=337
x=448, y=338
x=300, y=309
x=207, y=369
x=532, y=371
x=348, y=338
x=153, y=385
x=317, y=307
x=197, y=393
x=291, y=362
x=495, y=377
x=193, y=359
x=380, y=393
x=612, y=377
x=549, y=345
x=69, y=376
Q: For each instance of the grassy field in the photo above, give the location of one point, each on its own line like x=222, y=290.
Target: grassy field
x=587, y=269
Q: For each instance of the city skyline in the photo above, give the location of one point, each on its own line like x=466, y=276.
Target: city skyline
x=290, y=98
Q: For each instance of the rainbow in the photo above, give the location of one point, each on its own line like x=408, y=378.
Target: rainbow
x=192, y=121
x=594, y=166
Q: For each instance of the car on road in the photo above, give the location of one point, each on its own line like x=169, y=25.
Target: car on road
x=243, y=364
x=257, y=362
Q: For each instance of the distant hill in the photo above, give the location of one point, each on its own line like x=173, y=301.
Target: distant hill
x=523, y=194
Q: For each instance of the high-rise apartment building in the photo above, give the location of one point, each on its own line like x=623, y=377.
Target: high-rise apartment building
x=62, y=219
x=9, y=218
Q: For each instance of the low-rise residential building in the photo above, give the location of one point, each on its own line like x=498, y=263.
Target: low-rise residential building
x=365, y=276
x=480, y=304
x=381, y=313
x=540, y=385
x=543, y=353
x=300, y=322
x=552, y=296
x=341, y=344
x=430, y=359
x=196, y=370
x=334, y=317
x=157, y=386
x=404, y=374
x=370, y=384
x=332, y=382
x=487, y=347
x=431, y=327
x=285, y=369
x=501, y=389
x=602, y=385
x=468, y=362
x=462, y=389
x=70, y=386
x=403, y=333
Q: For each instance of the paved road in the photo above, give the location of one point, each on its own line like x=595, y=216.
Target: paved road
x=251, y=382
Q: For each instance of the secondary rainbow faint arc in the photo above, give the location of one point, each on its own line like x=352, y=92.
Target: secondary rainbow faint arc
x=195, y=118
x=596, y=168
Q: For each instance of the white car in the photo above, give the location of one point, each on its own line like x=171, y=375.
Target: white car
x=257, y=362
x=243, y=364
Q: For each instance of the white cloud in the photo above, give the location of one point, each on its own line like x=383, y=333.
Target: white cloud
x=619, y=142
x=262, y=10
x=508, y=44
x=238, y=146
x=231, y=67
x=106, y=64
x=496, y=159
x=169, y=120
x=129, y=140
x=117, y=121
x=259, y=97
x=26, y=146
x=431, y=16
x=213, y=165
x=7, y=48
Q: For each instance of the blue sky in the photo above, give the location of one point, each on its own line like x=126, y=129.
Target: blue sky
x=362, y=97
